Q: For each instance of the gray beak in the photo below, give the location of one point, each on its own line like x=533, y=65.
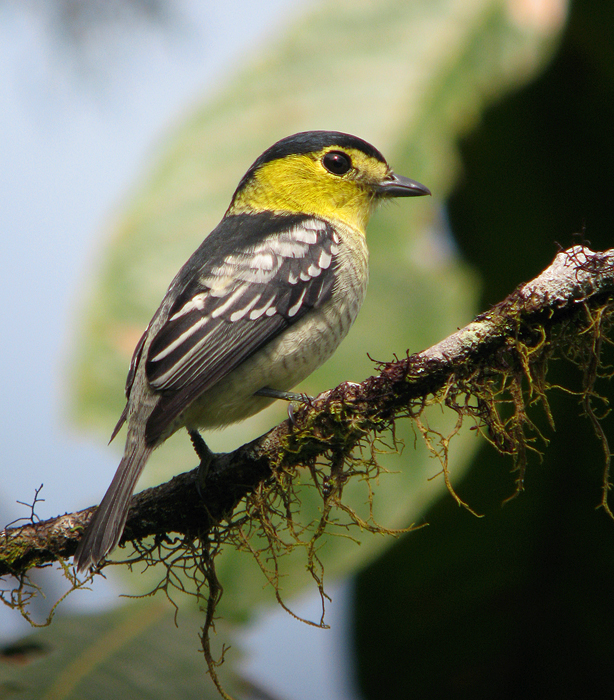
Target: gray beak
x=399, y=186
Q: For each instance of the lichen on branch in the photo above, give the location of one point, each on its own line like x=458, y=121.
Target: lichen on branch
x=493, y=374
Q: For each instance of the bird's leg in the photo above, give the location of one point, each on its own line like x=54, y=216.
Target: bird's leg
x=204, y=454
x=288, y=396
x=283, y=395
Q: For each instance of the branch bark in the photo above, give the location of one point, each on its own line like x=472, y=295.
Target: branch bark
x=577, y=280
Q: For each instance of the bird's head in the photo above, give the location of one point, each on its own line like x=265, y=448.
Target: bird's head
x=321, y=173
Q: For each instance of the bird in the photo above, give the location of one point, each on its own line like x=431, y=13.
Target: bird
x=265, y=299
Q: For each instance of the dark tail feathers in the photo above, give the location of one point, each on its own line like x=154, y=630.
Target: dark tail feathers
x=106, y=527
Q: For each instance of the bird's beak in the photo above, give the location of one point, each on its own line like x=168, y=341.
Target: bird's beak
x=399, y=186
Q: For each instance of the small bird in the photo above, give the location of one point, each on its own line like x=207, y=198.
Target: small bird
x=265, y=300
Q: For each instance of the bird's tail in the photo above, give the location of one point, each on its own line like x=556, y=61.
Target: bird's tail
x=106, y=527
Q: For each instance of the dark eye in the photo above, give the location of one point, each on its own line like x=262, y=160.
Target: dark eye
x=336, y=162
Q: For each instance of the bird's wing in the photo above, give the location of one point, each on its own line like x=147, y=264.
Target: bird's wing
x=231, y=305
x=134, y=362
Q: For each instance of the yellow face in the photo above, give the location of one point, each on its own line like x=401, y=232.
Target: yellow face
x=316, y=184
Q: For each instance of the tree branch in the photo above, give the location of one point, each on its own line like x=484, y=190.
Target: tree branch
x=577, y=281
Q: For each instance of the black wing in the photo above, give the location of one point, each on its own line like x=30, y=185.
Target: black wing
x=230, y=305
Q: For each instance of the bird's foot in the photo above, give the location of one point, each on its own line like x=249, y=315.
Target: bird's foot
x=289, y=396
x=205, y=455
x=283, y=395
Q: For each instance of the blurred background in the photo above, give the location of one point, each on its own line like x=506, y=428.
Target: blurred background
x=124, y=129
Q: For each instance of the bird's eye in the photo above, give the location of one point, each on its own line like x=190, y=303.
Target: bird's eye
x=336, y=162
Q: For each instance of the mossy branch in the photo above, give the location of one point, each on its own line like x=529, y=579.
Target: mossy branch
x=511, y=342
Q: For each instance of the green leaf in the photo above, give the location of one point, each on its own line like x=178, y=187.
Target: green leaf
x=409, y=78
x=136, y=651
